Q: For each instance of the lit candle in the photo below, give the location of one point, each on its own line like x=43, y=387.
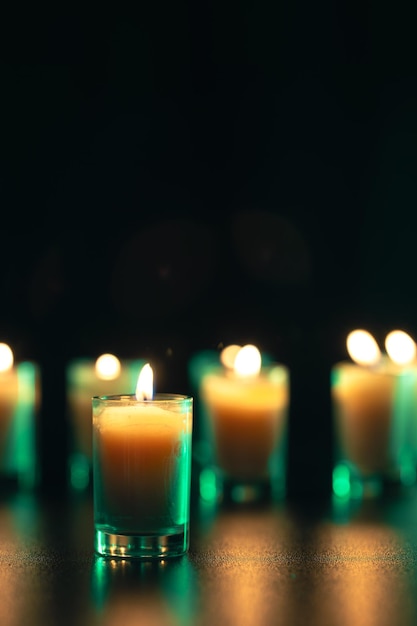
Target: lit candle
x=19, y=401
x=8, y=392
x=247, y=407
x=402, y=350
x=364, y=393
x=142, y=457
x=106, y=375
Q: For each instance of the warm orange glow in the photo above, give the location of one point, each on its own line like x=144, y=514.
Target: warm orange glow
x=108, y=367
x=400, y=347
x=248, y=361
x=144, y=388
x=228, y=355
x=362, y=348
x=6, y=357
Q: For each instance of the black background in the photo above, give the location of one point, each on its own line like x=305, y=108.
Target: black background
x=188, y=175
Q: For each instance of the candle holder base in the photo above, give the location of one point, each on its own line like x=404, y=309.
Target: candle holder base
x=142, y=546
x=242, y=492
x=348, y=483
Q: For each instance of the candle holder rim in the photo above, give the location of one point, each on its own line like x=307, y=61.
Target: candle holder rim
x=131, y=397
x=219, y=371
x=392, y=370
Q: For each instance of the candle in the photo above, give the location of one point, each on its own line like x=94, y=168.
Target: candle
x=247, y=406
x=106, y=375
x=402, y=350
x=369, y=427
x=142, y=466
x=19, y=400
x=8, y=393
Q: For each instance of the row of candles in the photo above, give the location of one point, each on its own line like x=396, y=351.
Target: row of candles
x=240, y=417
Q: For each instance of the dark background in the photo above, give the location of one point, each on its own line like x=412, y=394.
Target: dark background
x=193, y=174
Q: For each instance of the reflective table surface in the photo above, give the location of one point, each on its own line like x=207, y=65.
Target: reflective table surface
x=274, y=564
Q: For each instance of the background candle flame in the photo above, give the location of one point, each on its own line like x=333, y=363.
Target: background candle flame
x=108, y=367
x=6, y=357
x=248, y=361
x=362, y=348
x=400, y=347
x=144, y=388
x=228, y=355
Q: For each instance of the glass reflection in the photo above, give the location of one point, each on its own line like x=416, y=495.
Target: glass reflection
x=149, y=592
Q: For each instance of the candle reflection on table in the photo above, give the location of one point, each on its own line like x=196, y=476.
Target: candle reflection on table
x=245, y=566
x=155, y=593
x=373, y=560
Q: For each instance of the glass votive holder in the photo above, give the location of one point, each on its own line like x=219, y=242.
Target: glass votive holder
x=374, y=414
x=246, y=430
x=86, y=378
x=199, y=365
x=141, y=475
x=19, y=403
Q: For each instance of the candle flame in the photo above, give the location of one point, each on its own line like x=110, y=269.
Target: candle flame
x=108, y=367
x=144, y=388
x=248, y=361
x=362, y=348
x=400, y=347
x=228, y=355
x=6, y=357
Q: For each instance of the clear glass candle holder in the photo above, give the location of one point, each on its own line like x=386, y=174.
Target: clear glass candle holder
x=141, y=475
x=247, y=423
x=374, y=413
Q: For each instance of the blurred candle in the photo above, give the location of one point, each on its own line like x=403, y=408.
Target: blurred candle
x=366, y=420
x=19, y=401
x=247, y=406
x=22, y=455
x=107, y=375
x=402, y=350
x=8, y=392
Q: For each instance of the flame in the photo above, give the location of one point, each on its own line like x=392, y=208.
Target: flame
x=6, y=357
x=400, y=347
x=108, y=367
x=144, y=388
x=248, y=361
x=228, y=355
x=362, y=348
